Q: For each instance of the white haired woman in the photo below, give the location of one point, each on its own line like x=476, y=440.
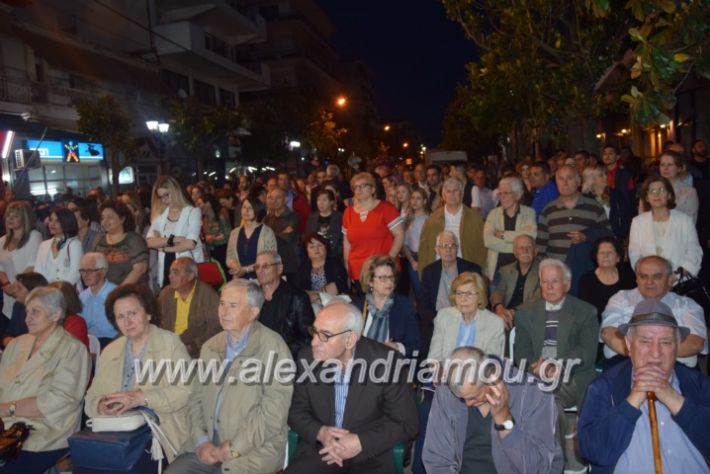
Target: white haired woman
x=43, y=377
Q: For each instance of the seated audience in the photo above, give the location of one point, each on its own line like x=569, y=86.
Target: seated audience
x=613, y=430
x=18, y=291
x=479, y=426
x=467, y=322
x=320, y=272
x=517, y=282
x=188, y=307
x=388, y=317
x=654, y=279
x=358, y=428
x=286, y=310
x=93, y=272
x=611, y=275
x=74, y=324
x=116, y=388
x=238, y=427
x=43, y=377
x=436, y=283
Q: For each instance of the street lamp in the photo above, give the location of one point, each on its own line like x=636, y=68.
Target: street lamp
x=341, y=101
x=387, y=128
x=158, y=130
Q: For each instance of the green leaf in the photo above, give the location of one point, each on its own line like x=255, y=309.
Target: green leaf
x=636, y=35
x=680, y=57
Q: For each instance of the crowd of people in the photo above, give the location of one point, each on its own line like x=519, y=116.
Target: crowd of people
x=538, y=264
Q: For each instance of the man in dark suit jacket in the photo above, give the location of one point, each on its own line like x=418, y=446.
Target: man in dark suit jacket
x=186, y=288
x=447, y=249
x=351, y=426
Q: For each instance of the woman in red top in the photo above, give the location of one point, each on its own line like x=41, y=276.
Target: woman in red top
x=73, y=323
x=370, y=226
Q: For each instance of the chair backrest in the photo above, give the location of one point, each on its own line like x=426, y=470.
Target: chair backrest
x=94, y=350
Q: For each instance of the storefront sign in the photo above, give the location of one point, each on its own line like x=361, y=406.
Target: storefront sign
x=69, y=151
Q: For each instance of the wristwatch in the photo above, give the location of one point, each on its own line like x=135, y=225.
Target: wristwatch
x=507, y=425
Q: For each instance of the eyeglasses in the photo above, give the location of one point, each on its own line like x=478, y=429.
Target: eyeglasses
x=383, y=278
x=358, y=187
x=88, y=270
x=466, y=294
x=657, y=191
x=264, y=266
x=447, y=246
x=324, y=336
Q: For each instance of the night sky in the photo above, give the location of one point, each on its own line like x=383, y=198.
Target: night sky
x=416, y=56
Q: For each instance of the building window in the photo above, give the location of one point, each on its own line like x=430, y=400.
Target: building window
x=227, y=98
x=175, y=81
x=204, y=92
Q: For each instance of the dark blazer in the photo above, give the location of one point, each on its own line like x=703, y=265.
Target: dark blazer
x=381, y=414
x=203, y=322
x=577, y=336
x=403, y=323
x=430, y=287
x=334, y=273
x=289, y=313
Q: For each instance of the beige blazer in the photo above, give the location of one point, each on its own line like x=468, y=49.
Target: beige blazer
x=267, y=241
x=169, y=401
x=252, y=416
x=57, y=376
x=524, y=224
x=489, y=337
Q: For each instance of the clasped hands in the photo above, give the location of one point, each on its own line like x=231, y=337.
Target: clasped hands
x=339, y=445
x=120, y=402
x=651, y=378
x=210, y=454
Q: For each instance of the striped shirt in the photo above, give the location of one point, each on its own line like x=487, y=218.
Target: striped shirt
x=341, y=386
x=556, y=221
x=549, y=344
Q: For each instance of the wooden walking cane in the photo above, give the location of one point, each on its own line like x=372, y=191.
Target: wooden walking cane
x=657, y=463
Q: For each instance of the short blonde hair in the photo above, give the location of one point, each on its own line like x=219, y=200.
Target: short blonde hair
x=464, y=279
x=368, y=269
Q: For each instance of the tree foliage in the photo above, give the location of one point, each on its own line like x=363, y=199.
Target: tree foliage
x=540, y=60
x=198, y=127
x=106, y=122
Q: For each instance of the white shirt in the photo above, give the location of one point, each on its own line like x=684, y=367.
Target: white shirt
x=686, y=311
x=17, y=261
x=452, y=223
x=63, y=267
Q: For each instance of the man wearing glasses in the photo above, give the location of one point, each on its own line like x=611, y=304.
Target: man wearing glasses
x=436, y=283
x=93, y=268
x=346, y=421
x=286, y=310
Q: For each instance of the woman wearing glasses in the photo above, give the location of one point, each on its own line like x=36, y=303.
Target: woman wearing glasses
x=467, y=322
x=175, y=227
x=664, y=231
x=370, y=226
x=389, y=318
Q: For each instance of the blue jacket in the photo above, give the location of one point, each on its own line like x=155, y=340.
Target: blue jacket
x=426, y=301
x=544, y=196
x=607, y=420
x=403, y=323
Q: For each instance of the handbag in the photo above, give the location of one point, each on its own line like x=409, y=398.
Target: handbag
x=119, y=451
x=11, y=440
x=211, y=273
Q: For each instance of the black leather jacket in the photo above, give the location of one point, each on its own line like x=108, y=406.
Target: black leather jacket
x=289, y=313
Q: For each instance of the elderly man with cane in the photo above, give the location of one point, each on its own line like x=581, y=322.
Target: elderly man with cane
x=649, y=413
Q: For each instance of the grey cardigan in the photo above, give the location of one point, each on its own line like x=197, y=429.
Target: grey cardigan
x=530, y=448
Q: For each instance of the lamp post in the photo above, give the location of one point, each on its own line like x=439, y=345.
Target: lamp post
x=158, y=131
